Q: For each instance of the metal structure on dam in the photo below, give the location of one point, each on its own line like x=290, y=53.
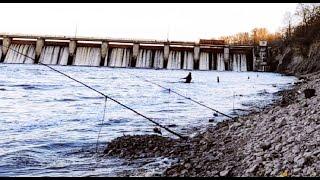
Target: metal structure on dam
x=89, y=51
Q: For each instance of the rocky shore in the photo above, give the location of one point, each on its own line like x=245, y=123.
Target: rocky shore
x=281, y=140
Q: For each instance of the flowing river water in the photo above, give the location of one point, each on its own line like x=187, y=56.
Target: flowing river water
x=49, y=124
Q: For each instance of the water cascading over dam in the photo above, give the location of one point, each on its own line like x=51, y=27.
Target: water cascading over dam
x=239, y=62
x=54, y=55
x=87, y=56
x=220, y=62
x=85, y=51
x=144, y=59
x=119, y=57
x=204, y=61
x=158, y=59
x=188, y=60
x=174, y=60
x=14, y=57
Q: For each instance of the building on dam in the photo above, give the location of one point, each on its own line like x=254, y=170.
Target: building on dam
x=88, y=51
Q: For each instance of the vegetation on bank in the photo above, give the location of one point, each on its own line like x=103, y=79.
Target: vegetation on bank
x=295, y=48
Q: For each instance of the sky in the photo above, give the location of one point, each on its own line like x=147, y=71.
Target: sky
x=159, y=21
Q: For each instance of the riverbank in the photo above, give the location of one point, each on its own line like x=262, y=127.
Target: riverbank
x=281, y=140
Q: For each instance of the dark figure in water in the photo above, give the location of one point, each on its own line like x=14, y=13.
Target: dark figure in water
x=188, y=78
x=157, y=130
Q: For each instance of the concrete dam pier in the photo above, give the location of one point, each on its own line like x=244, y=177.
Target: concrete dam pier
x=87, y=51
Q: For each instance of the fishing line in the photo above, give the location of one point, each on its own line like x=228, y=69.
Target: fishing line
x=172, y=91
x=102, y=121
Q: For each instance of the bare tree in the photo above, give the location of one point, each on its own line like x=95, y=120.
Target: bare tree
x=287, y=20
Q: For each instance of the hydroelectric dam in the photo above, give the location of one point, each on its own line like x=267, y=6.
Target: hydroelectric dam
x=110, y=52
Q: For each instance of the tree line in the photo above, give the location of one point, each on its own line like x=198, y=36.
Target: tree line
x=301, y=26
x=246, y=38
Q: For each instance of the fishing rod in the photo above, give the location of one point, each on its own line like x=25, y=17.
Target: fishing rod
x=106, y=96
x=170, y=90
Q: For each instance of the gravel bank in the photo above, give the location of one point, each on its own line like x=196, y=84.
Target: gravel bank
x=282, y=140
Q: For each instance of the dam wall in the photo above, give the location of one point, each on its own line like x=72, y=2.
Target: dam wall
x=125, y=53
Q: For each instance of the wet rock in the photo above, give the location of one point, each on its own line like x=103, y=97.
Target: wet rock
x=211, y=120
x=172, y=125
x=157, y=130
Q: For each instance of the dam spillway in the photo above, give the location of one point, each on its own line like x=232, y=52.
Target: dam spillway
x=124, y=53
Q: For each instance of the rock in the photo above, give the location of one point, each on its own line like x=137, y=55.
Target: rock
x=252, y=168
x=172, y=125
x=224, y=173
x=273, y=118
x=187, y=165
x=281, y=122
x=308, y=93
x=290, y=139
x=310, y=171
x=184, y=172
x=296, y=149
x=309, y=130
x=265, y=146
x=315, y=153
x=290, y=159
x=211, y=120
x=157, y=130
x=307, y=155
x=300, y=162
x=296, y=170
x=278, y=147
x=296, y=113
x=214, y=172
x=212, y=158
x=236, y=124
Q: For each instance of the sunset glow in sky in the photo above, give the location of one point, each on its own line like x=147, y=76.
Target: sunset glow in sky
x=147, y=21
